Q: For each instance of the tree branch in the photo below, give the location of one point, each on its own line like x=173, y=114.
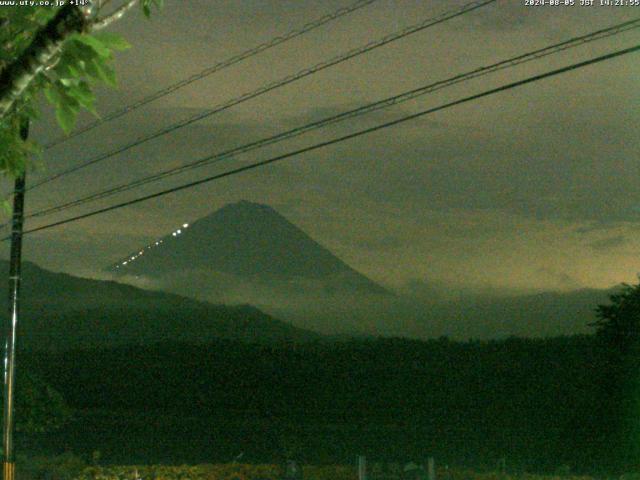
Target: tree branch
x=17, y=76
x=46, y=45
x=101, y=23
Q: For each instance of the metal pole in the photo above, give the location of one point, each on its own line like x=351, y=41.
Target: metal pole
x=10, y=332
x=362, y=467
x=431, y=468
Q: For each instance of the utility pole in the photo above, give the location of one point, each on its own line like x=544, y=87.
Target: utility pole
x=9, y=465
x=361, y=462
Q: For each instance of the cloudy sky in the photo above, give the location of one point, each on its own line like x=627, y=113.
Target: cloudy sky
x=535, y=188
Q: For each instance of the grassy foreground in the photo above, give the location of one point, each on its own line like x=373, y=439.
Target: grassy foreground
x=213, y=472
x=272, y=472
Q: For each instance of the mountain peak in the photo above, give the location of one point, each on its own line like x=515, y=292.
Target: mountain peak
x=246, y=205
x=243, y=209
x=245, y=239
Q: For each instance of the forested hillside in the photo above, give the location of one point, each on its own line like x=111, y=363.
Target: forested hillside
x=539, y=403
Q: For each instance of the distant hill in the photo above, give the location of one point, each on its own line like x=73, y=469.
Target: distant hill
x=469, y=316
x=544, y=314
x=60, y=311
x=245, y=246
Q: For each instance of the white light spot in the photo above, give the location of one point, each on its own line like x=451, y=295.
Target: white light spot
x=124, y=263
x=179, y=231
x=174, y=234
x=185, y=225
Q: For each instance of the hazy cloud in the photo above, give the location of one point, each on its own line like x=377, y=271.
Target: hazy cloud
x=515, y=190
x=607, y=244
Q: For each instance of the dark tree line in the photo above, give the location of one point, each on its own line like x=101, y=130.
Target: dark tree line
x=540, y=403
x=618, y=334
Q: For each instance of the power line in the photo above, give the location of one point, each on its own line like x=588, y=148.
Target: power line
x=333, y=141
x=274, y=42
x=275, y=85
x=394, y=100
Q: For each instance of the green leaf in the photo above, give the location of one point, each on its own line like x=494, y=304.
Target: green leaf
x=146, y=6
x=66, y=116
x=6, y=207
x=93, y=42
x=75, y=51
x=92, y=70
x=69, y=66
x=113, y=41
x=68, y=100
x=83, y=94
x=53, y=95
x=15, y=151
x=100, y=70
x=69, y=82
x=84, y=60
x=30, y=111
x=67, y=109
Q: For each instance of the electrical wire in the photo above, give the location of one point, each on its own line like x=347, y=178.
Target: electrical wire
x=387, y=102
x=275, y=85
x=274, y=42
x=334, y=141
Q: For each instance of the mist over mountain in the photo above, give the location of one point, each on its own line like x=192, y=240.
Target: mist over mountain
x=249, y=253
x=60, y=311
x=485, y=315
x=546, y=314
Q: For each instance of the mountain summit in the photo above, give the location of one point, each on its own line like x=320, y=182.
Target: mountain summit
x=246, y=240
